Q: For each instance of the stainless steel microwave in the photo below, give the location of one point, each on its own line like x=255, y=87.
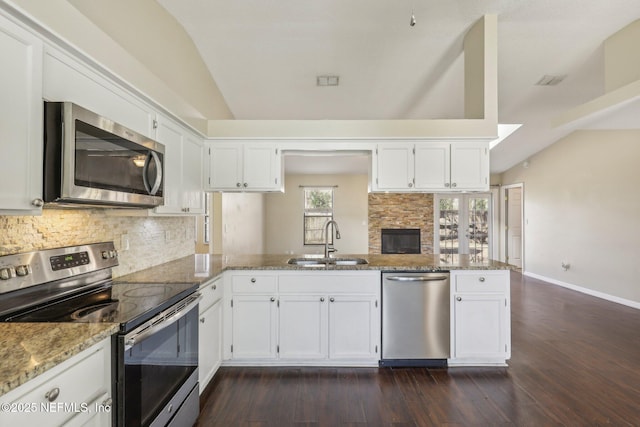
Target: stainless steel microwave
x=91, y=160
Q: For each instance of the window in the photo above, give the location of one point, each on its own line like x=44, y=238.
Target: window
x=318, y=209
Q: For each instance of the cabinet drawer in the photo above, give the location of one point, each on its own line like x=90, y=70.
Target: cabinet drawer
x=211, y=292
x=77, y=384
x=487, y=282
x=254, y=283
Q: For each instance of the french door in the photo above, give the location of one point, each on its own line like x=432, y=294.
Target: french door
x=462, y=226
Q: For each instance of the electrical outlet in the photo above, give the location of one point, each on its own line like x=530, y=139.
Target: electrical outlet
x=124, y=242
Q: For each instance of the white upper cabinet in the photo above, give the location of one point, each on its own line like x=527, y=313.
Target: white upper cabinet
x=20, y=120
x=244, y=166
x=182, y=169
x=431, y=166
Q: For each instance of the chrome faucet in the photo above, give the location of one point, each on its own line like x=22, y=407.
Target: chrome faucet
x=328, y=250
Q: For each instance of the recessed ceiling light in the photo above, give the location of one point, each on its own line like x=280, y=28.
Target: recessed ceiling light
x=327, y=80
x=551, y=80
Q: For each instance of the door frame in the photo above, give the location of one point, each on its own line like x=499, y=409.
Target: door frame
x=464, y=196
x=503, y=220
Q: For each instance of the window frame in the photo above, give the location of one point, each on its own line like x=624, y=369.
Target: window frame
x=305, y=214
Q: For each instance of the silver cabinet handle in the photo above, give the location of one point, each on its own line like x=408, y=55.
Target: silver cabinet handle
x=459, y=299
x=273, y=299
x=52, y=394
x=332, y=299
x=482, y=279
x=38, y=203
x=321, y=299
x=415, y=278
x=253, y=280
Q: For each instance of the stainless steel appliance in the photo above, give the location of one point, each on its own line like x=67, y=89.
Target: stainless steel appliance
x=155, y=353
x=90, y=160
x=415, y=319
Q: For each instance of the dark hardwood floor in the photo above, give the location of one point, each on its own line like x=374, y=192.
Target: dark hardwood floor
x=575, y=362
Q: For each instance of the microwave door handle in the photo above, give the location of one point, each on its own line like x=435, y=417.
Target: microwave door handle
x=145, y=172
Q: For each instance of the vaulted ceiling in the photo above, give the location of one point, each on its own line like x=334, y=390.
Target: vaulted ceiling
x=265, y=57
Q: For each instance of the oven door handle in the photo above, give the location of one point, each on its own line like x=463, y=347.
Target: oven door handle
x=161, y=321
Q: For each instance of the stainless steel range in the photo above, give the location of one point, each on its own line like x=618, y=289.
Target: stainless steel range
x=155, y=375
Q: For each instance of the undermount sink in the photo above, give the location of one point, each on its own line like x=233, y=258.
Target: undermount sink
x=322, y=262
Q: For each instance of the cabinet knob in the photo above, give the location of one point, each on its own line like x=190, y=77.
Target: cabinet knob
x=202, y=320
x=273, y=299
x=410, y=184
x=238, y=185
x=481, y=279
x=107, y=402
x=245, y=185
x=446, y=184
x=332, y=299
x=321, y=299
x=214, y=287
x=52, y=394
x=459, y=299
x=38, y=203
x=454, y=185
x=253, y=280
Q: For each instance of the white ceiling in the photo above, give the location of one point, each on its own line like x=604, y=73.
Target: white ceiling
x=265, y=56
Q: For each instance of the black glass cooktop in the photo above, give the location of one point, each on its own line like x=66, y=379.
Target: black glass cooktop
x=128, y=304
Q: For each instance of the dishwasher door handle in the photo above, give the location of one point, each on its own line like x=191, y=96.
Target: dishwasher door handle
x=415, y=278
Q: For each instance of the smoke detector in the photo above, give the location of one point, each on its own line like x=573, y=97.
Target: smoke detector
x=551, y=80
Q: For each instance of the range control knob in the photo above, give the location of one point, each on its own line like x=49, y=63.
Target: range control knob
x=105, y=254
x=22, y=270
x=5, y=273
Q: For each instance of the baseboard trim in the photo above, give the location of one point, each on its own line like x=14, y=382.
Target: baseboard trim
x=597, y=294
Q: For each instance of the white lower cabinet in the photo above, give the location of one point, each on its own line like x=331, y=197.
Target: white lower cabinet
x=316, y=318
x=480, y=318
x=77, y=392
x=210, y=331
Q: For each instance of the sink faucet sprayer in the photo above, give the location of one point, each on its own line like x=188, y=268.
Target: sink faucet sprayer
x=327, y=249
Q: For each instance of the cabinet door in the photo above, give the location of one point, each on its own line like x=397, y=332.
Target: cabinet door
x=353, y=323
x=20, y=120
x=225, y=166
x=261, y=167
x=192, y=194
x=469, y=166
x=432, y=166
x=254, y=327
x=303, y=327
x=209, y=343
x=480, y=326
x=395, y=167
x=170, y=135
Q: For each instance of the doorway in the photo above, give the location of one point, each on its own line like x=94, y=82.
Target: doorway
x=463, y=226
x=513, y=237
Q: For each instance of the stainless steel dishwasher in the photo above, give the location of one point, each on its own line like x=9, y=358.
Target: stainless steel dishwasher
x=415, y=319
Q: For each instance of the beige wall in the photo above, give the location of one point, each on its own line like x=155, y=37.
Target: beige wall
x=284, y=214
x=582, y=206
x=152, y=241
x=242, y=223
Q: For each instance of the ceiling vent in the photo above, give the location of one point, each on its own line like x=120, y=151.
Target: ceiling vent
x=551, y=80
x=327, y=80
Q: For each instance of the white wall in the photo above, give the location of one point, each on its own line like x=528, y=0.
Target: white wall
x=582, y=206
x=284, y=215
x=242, y=223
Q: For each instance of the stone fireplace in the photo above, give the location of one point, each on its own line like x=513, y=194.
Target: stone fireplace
x=400, y=211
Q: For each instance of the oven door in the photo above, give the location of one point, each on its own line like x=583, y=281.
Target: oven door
x=157, y=372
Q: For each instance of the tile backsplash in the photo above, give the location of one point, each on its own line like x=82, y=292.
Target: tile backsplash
x=152, y=240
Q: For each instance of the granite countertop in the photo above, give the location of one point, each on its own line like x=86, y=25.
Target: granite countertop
x=201, y=268
x=29, y=349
